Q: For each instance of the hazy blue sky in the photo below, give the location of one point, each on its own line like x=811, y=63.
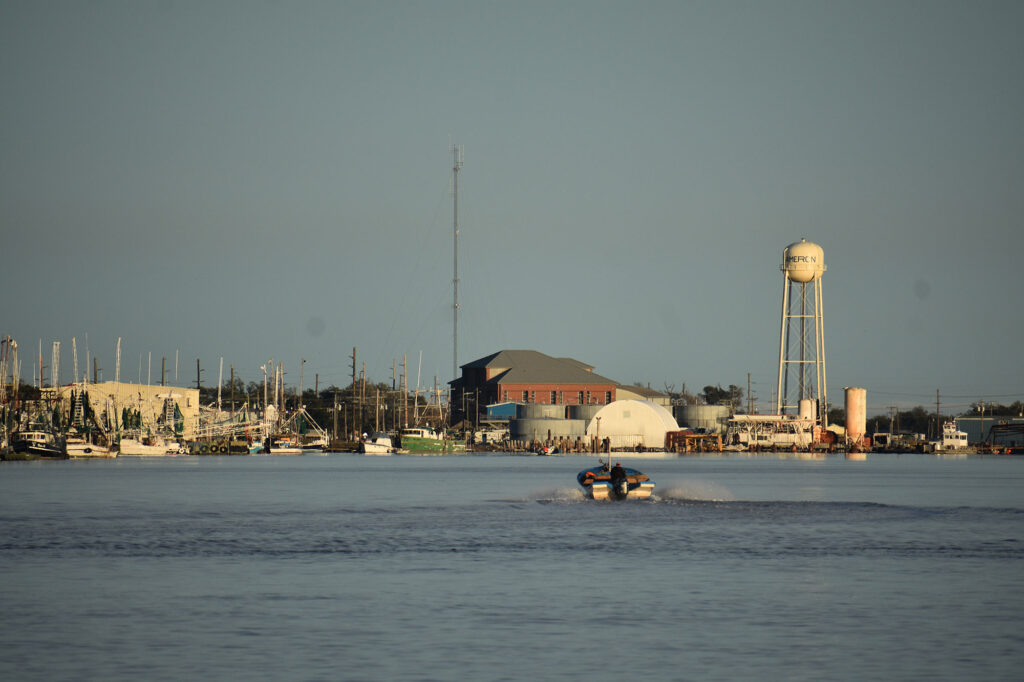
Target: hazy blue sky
x=257, y=180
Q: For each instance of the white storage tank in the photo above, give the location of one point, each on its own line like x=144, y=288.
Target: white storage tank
x=856, y=413
x=808, y=409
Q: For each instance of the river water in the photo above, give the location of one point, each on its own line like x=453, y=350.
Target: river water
x=345, y=567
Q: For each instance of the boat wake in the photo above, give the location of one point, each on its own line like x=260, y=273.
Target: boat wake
x=560, y=494
x=694, y=490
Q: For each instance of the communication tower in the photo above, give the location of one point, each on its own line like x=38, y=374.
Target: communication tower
x=457, y=161
x=802, y=375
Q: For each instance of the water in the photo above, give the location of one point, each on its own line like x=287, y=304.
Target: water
x=342, y=567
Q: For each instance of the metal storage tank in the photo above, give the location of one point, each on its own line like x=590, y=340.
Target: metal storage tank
x=708, y=418
x=584, y=412
x=542, y=429
x=856, y=413
x=540, y=411
x=808, y=409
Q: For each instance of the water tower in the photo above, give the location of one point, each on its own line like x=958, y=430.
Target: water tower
x=802, y=356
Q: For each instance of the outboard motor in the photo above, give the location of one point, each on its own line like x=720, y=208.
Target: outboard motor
x=622, y=489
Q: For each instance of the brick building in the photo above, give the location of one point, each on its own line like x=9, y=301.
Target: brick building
x=527, y=376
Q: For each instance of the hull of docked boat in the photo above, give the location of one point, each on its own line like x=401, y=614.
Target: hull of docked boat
x=133, y=447
x=598, y=484
x=421, y=441
x=79, y=448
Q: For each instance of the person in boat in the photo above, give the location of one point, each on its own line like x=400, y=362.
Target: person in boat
x=618, y=475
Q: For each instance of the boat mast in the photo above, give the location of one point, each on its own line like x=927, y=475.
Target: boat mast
x=457, y=159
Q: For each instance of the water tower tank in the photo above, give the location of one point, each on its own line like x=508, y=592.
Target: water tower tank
x=803, y=261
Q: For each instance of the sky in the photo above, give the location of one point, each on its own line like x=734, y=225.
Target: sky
x=261, y=181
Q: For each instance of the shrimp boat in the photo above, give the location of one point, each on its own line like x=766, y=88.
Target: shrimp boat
x=420, y=441
x=80, y=448
x=599, y=484
x=37, y=444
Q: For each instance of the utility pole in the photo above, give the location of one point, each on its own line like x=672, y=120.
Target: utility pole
x=353, y=393
x=362, y=395
x=335, y=413
x=981, y=424
x=938, y=416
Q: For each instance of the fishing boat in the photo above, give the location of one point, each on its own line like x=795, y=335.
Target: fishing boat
x=427, y=441
x=149, y=447
x=603, y=482
x=379, y=444
x=276, y=445
x=36, y=445
x=80, y=448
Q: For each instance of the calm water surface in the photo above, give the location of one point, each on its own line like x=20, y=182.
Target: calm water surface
x=343, y=567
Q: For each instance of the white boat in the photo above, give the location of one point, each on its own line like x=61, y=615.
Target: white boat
x=155, y=447
x=79, y=448
x=768, y=432
x=953, y=440
x=379, y=444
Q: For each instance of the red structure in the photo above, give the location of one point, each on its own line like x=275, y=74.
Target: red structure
x=527, y=376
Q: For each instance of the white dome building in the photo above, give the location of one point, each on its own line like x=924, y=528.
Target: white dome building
x=629, y=423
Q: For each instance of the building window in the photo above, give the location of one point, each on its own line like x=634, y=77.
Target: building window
x=579, y=398
x=506, y=396
x=554, y=398
x=561, y=397
x=588, y=397
x=526, y=397
x=607, y=397
x=533, y=396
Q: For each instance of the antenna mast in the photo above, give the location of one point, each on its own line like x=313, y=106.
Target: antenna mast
x=457, y=159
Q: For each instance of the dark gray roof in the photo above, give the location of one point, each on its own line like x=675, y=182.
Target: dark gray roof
x=643, y=391
x=533, y=367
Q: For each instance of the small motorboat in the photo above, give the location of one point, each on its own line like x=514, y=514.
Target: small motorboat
x=380, y=444
x=604, y=482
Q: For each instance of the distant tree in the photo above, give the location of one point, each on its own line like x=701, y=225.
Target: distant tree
x=716, y=395
x=837, y=415
x=1015, y=409
x=917, y=420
